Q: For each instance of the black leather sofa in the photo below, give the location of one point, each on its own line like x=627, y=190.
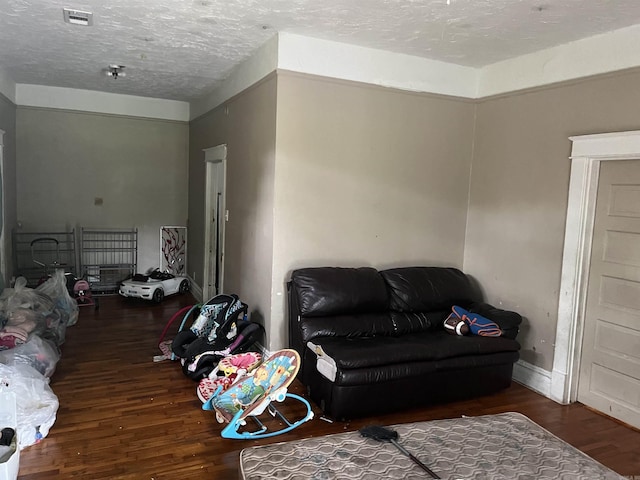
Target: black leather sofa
x=373, y=341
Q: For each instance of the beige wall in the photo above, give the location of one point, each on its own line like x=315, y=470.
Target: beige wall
x=246, y=124
x=366, y=176
x=326, y=172
x=519, y=189
x=138, y=167
x=8, y=124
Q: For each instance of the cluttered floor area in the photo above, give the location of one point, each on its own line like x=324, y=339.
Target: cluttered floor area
x=122, y=416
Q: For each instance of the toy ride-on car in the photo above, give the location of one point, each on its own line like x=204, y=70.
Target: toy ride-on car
x=154, y=285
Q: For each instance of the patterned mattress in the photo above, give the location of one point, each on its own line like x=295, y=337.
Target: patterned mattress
x=504, y=446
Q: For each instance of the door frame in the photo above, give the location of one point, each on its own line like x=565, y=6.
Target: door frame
x=216, y=164
x=3, y=216
x=586, y=154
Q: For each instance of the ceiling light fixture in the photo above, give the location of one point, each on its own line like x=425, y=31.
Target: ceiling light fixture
x=115, y=71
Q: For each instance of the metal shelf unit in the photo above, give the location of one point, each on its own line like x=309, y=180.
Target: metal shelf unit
x=38, y=254
x=107, y=257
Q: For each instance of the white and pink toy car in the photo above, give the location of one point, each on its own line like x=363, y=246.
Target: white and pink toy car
x=154, y=285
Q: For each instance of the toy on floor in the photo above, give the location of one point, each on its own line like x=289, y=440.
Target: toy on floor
x=154, y=285
x=165, y=345
x=82, y=294
x=221, y=329
x=204, y=363
x=254, y=393
x=215, y=328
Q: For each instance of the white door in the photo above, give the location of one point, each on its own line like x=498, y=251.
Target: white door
x=215, y=220
x=609, y=377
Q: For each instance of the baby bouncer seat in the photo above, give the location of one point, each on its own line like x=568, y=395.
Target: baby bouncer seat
x=255, y=392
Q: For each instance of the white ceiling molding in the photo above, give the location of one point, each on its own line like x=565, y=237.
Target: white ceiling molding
x=259, y=65
x=609, y=52
x=599, y=54
x=349, y=62
x=100, y=102
x=7, y=86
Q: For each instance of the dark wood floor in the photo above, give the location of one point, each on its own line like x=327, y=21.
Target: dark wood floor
x=122, y=416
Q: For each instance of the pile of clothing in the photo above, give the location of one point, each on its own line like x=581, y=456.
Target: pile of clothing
x=33, y=325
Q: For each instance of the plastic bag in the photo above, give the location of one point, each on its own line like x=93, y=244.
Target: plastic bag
x=56, y=289
x=23, y=323
x=56, y=327
x=40, y=354
x=23, y=297
x=37, y=405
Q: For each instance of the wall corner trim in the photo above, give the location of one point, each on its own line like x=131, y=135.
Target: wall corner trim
x=263, y=61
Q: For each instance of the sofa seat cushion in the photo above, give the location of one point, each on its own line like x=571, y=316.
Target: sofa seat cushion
x=343, y=357
x=421, y=370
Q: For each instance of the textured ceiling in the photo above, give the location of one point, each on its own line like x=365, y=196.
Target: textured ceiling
x=183, y=49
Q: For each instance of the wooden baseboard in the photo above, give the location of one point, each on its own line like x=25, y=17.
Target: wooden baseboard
x=196, y=290
x=531, y=376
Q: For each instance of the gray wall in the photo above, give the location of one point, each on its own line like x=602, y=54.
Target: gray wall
x=366, y=176
x=519, y=190
x=137, y=166
x=246, y=124
x=8, y=124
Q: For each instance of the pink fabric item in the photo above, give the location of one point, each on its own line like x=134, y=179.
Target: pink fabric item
x=165, y=348
x=17, y=332
x=208, y=386
x=242, y=361
x=8, y=341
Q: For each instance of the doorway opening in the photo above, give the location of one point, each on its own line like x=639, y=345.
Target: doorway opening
x=588, y=152
x=215, y=218
x=3, y=231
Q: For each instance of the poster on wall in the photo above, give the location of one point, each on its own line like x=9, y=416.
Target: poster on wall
x=173, y=249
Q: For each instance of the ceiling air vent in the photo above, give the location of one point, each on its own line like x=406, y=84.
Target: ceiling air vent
x=77, y=17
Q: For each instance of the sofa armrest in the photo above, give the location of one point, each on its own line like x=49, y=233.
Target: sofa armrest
x=343, y=294
x=295, y=334
x=508, y=321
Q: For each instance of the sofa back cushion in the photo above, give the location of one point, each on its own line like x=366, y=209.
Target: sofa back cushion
x=329, y=291
x=428, y=289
